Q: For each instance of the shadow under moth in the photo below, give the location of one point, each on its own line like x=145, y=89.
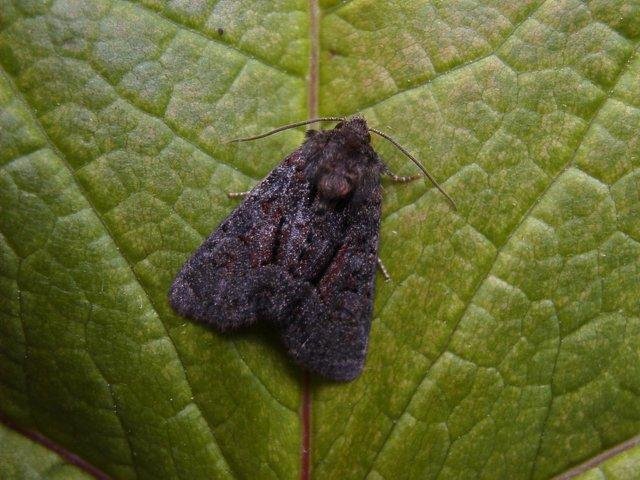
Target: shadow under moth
x=300, y=252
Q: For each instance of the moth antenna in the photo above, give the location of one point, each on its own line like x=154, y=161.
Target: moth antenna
x=286, y=127
x=414, y=160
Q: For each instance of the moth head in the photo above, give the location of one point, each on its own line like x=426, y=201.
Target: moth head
x=354, y=130
x=350, y=141
x=345, y=161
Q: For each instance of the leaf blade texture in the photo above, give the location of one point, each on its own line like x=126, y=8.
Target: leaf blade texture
x=506, y=345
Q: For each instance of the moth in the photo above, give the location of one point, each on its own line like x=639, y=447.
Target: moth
x=300, y=252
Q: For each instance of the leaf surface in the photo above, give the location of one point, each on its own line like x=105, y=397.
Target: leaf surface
x=507, y=344
x=25, y=459
x=622, y=466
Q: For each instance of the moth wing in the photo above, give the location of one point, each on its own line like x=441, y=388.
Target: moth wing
x=216, y=285
x=329, y=328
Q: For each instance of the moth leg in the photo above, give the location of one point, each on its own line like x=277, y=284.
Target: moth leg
x=238, y=194
x=383, y=269
x=401, y=179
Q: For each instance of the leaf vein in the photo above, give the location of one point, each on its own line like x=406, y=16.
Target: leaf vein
x=212, y=39
x=460, y=66
x=194, y=144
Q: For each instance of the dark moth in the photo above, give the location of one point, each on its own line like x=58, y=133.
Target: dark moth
x=300, y=253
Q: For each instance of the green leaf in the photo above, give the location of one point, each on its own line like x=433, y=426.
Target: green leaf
x=507, y=344
x=623, y=466
x=27, y=460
